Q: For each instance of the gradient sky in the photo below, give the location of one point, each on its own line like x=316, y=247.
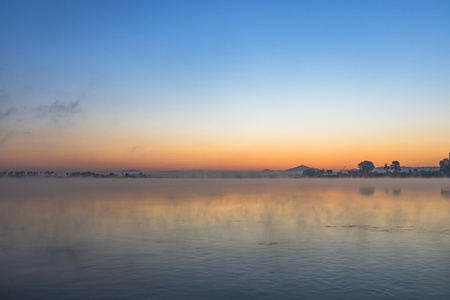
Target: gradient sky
x=243, y=85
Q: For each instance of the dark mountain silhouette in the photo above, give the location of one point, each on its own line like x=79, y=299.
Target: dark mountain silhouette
x=300, y=169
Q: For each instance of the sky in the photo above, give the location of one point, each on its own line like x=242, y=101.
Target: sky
x=224, y=85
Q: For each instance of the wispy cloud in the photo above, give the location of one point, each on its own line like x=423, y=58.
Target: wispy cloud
x=6, y=113
x=60, y=113
x=8, y=136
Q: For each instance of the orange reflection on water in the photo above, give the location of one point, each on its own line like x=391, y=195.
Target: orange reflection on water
x=121, y=207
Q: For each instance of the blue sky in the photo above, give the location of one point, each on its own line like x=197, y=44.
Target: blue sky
x=286, y=78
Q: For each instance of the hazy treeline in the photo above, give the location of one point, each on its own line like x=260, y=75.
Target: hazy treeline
x=88, y=174
x=354, y=173
x=365, y=169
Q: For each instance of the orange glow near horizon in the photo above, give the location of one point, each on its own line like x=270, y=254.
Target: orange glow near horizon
x=94, y=155
x=125, y=148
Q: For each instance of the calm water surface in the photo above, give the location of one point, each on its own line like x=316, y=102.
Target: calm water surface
x=224, y=238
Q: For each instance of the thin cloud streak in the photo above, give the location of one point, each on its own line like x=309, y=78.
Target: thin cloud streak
x=59, y=112
x=7, y=113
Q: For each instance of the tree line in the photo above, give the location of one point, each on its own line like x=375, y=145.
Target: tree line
x=21, y=174
x=366, y=169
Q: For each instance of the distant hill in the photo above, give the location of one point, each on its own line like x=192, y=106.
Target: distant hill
x=300, y=169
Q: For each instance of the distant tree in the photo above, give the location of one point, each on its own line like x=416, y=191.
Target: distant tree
x=366, y=167
x=309, y=173
x=329, y=172
x=395, y=166
x=353, y=173
x=19, y=174
x=445, y=166
x=386, y=167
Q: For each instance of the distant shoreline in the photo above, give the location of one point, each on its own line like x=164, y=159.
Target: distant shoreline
x=223, y=175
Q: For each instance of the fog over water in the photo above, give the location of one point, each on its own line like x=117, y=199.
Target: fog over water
x=224, y=238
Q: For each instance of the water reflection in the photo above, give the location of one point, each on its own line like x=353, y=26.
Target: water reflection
x=182, y=238
x=445, y=192
x=366, y=191
x=394, y=191
x=81, y=207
